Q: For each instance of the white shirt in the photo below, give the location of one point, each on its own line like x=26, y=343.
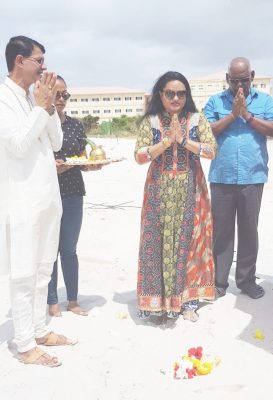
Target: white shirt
x=30, y=203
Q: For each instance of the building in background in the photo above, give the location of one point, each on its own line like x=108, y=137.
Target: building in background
x=206, y=86
x=109, y=102
x=105, y=102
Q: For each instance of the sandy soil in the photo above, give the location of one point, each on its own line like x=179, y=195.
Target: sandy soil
x=121, y=359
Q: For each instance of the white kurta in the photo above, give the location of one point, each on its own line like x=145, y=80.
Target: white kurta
x=30, y=203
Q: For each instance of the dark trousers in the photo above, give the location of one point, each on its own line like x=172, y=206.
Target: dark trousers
x=229, y=202
x=69, y=234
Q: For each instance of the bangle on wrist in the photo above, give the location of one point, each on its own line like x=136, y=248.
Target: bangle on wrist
x=149, y=154
x=249, y=118
x=184, y=142
x=166, y=142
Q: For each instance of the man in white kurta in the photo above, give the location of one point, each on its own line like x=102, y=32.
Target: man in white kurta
x=30, y=204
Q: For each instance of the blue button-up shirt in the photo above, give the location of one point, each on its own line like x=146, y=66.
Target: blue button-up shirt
x=242, y=153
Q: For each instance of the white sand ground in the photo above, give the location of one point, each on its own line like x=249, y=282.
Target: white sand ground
x=120, y=359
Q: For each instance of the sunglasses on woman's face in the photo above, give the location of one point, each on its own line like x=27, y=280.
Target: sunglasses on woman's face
x=170, y=94
x=64, y=95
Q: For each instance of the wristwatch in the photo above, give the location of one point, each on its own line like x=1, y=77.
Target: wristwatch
x=249, y=119
x=51, y=110
x=166, y=142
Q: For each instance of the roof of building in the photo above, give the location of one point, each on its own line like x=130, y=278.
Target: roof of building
x=104, y=90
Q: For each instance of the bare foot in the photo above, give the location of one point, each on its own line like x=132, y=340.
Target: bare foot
x=54, y=310
x=76, y=309
x=38, y=357
x=190, y=315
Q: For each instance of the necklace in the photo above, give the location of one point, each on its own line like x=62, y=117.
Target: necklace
x=28, y=99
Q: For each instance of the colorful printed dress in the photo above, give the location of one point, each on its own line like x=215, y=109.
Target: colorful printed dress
x=175, y=257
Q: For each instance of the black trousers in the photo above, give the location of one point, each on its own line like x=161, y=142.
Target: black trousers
x=229, y=202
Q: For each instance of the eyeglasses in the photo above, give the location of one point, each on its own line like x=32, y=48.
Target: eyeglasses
x=170, y=94
x=240, y=80
x=39, y=61
x=64, y=95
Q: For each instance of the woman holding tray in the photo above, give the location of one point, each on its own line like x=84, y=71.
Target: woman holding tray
x=72, y=191
x=176, y=266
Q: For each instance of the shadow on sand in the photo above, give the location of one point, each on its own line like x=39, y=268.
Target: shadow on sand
x=130, y=299
x=86, y=302
x=6, y=331
x=261, y=314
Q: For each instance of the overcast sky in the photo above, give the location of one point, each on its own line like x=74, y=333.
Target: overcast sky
x=130, y=43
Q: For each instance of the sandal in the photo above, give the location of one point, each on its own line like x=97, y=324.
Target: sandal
x=45, y=359
x=190, y=315
x=53, y=339
x=76, y=309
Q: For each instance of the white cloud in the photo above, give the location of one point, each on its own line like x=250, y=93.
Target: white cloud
x=120, y=42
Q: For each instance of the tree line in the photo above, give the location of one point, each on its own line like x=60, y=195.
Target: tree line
x=122, y=127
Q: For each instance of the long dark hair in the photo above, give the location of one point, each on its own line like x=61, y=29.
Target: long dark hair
x=155, y=105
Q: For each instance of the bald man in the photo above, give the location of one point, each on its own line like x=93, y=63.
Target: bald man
x=241, y=118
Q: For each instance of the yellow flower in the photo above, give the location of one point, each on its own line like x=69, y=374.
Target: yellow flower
x=259, y=334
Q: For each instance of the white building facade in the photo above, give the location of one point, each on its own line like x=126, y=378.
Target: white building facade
x=105, y=102
x=204, y=87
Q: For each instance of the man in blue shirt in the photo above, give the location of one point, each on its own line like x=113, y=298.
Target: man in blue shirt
x=241, y=117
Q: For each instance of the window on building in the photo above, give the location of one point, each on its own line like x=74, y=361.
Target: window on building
x=95, y=99
x=85, y=112
x=73, y=100
x=200, y=87
x=74, y=112
x=84, y=99
x=106, y=99
x=263, y=85
x=128, y=98
x=118, y=111
x=106, y=111
x=224, y=87
x=128, y=110
x=139, y=110
x=254, y=85
x=96, y=111
x=117, y=98
x=138, y=97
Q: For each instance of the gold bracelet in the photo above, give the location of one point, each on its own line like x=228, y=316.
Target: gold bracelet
x=166, y=142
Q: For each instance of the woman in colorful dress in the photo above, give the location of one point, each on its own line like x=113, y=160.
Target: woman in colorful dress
x=72, y=191
x=176, y=266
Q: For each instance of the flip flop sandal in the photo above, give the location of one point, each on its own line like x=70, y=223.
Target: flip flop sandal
x=53, y=339
x=36, y=355
x=83, y=313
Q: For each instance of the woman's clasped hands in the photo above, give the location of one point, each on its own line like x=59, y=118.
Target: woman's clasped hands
x=176, y=134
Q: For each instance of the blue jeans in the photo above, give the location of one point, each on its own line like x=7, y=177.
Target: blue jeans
x=69, y=234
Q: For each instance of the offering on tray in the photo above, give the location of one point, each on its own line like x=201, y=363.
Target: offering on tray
x=97, y=156
x=86, y=161
x=97, y=152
